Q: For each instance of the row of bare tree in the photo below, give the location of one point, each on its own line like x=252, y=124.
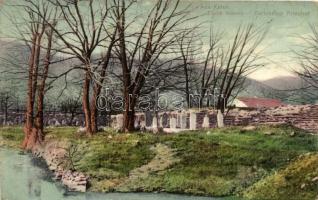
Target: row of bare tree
x=160, y=47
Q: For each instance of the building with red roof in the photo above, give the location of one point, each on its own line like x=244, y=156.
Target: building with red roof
x=255, y=102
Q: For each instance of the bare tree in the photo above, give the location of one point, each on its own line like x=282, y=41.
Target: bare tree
x=139, y=52
x=308, y=57
x=42, y=86
x=37, y=37
x=82, y=37
x=207, y=69
x=241, y=58
x=223, y=68
x=189, y=49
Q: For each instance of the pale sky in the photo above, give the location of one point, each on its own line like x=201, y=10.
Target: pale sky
x=287, y=22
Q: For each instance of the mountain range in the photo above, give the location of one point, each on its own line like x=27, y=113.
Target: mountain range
x=285, y=88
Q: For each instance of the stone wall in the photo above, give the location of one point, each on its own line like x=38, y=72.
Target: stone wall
x=50, y=119
x=301, y=116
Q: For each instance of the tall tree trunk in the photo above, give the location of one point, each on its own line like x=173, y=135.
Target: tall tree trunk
x=39, y=123
x=187, y=89
x=31, y=136
x=38, y=130
x=98, y=86
x=39, y=126
x=94, y=113
x=94, y=109
x=129, y=114
x=30, y=101
x=86, y=105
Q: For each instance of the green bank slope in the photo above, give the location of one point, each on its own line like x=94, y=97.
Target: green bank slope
x=265, y=162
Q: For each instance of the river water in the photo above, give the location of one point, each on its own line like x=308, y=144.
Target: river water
x=23, y=178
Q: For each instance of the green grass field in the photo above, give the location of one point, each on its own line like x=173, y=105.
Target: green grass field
x=267, y=162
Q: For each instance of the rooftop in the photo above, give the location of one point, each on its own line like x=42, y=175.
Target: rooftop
x=255, y=102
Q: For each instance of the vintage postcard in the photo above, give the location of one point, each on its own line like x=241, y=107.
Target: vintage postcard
x=158, y=99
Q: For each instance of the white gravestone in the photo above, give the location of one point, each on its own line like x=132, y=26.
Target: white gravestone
x=161, y=122
x=220, y=119
x=173, y=123
x=193, y=121
x=206, y=123
x=120, y=121
x=183, y=120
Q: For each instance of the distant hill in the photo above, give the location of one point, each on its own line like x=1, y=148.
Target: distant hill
x=285, y=88
x=284, y=82
x=255, y=88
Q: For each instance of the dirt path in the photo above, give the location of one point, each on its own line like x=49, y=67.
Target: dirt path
x=165, y=157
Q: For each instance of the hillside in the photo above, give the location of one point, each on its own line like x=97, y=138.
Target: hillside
x=255, y=88
x=284, y=82
x=285, y=88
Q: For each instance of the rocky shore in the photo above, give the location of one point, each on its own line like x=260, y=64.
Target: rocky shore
x=54, y=154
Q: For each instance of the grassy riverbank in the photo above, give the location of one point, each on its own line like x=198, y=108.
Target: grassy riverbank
x=11, y=137
x=267, y=162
